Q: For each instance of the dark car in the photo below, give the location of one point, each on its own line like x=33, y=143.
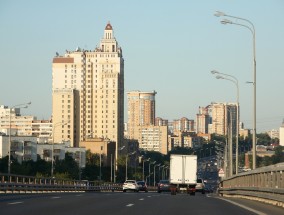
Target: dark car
x=164, y=186
x=142, y=186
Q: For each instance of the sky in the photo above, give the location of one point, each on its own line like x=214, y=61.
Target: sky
x=169, y=46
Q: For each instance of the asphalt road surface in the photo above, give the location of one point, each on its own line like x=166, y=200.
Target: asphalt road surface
x=130, y=203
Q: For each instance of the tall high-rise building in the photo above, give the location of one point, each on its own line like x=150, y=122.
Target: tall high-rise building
x=223, y=116
x=88, y=93
x=202, y=120
x=183, y=124
x=141, y=110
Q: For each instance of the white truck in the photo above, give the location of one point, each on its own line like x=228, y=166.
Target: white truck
x=183, y=173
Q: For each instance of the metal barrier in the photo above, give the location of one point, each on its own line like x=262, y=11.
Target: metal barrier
x=27, y=184
x=264, y=184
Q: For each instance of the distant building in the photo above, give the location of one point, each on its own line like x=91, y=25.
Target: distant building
x=20, y=125
x=141, y=110
x=203, y=120
x=183, y=124
x=42, y=129
x=161, y=122
x=23, y=148
x=88, y=93
x=274, y=133
x=153, y=138
x=224, y=115
x=59, y=151
x=281, y=134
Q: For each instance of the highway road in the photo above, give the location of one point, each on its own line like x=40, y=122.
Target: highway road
x=130, y=203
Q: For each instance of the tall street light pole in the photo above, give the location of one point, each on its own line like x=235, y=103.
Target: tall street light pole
x=251, y=28
x=154, y=182
x=236, y=82
x=25, y=105
x=150, y=171
x=52, y=148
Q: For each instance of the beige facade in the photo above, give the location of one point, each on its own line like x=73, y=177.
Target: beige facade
x=222, y=115
x=92, y=83
x=103, y=147
x=42, y=129
x=152, y=138
x=183, y=124
x=20, y=125
x=141, y=110
x=202, y=120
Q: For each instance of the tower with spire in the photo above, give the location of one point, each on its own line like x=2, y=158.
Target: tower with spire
x=88, y=91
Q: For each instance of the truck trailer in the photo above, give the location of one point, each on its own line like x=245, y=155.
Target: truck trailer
x=183, y=173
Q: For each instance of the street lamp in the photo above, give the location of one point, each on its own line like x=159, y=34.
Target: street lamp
x=150, y=171
x=143, y=161
x=52, y=149
x=115, y=163
x=236, y=82
x=251, y=28
x=154, y=182
x=25, y=105
x=132, y=153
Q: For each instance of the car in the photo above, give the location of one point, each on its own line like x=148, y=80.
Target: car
x=164, y=186
x=130, y=185
x=200, y=186
x=142, y=186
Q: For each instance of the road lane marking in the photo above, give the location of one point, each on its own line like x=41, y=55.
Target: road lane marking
x=129, y=205
x=56, y=197
x=149, y=196
x=14, y=203
x=245, y=207
x=79, y=195
x=141, y=199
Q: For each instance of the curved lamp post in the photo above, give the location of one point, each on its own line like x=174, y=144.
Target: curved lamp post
x=52, y=148
x=251, y=28
x=236, y=82
x=25, y=105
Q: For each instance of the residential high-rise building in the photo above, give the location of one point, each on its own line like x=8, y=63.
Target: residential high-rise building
x=88, y=93
x=161, y=122
x=183, y=124
x=202, y=120
x=141, y=110
x=224, y=115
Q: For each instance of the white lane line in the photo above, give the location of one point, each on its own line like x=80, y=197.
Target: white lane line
x=141, y=199
x=79, y=195
x=245, y=207
x=14, y=203
x=149, y=196
x=129, y=205
x=56, y=197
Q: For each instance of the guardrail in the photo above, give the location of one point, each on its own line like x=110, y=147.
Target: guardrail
x=27, y=184
x=264, y=184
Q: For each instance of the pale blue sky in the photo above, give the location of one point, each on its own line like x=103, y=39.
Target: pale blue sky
x=168, y=46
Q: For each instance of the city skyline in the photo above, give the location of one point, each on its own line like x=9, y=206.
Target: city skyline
x=169, y=47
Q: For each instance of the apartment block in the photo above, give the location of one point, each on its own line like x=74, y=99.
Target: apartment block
x=152, y=138
x=88, y=92
x=22, y=148
x=12, y=120
x=224, y=117
x=203, y=120
x=141, y=110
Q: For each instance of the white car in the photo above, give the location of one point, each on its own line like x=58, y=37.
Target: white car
x=130, y=185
